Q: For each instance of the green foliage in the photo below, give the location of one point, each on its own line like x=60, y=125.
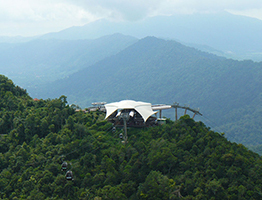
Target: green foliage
x=179, y=160
x=156, y=186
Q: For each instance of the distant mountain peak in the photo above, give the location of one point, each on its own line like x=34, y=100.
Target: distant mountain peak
x=222, y=31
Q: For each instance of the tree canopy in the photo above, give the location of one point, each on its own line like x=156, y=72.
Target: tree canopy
x=182, y=159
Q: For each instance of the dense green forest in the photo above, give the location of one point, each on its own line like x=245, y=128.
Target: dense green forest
x=179, y=160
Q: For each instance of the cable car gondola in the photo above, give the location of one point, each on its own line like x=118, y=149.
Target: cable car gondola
x=69, y=175
x=64, y=166
x=121, y=135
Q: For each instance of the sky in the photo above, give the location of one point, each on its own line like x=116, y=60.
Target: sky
x=36, y=17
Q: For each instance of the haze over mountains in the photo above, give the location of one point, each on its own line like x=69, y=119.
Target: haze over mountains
x=221, y=33
x=40, y=61
x=117, y=66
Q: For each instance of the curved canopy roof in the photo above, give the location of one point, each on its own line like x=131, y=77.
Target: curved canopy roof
x=144, y=109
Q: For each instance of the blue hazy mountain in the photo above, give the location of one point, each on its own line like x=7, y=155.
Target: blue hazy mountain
x=235, y=36
x=44, y=60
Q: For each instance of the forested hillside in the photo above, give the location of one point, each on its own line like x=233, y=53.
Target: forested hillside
x=227, y=91
x=179, y=160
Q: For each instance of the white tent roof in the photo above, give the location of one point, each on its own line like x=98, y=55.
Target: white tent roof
x=144, y=109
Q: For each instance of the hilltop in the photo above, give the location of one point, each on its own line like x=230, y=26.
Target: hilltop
x=180, y=159
x=227, y=91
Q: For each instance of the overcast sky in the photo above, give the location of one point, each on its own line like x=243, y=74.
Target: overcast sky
x=34, y=17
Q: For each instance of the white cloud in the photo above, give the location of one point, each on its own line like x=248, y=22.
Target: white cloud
x=29, y=17
x=135, y=9
x=19, y=16
x=118, y=9
x=255, y=12
x=15, y=10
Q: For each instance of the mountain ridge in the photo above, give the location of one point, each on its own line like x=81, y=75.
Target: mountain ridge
x=234, y=35
x=162, y=71
x=226, y=34
x=39, y=61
